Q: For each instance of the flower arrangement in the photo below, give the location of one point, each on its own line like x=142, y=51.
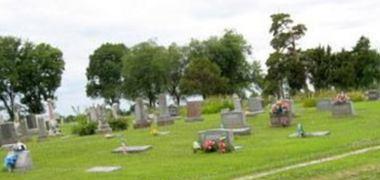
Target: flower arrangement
x=280, y=107
x=341, y=98
x=213, y=146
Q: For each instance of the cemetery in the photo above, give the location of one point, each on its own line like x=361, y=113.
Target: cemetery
x=173, y=90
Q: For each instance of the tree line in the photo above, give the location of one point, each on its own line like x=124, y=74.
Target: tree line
x=219, y=66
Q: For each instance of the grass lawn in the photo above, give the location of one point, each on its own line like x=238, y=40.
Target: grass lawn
x=172, y=156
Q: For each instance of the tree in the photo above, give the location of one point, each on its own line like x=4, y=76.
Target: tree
x=229, y=53
x=40, y=75
x=104, y=72
x=257, y=74
x=285, y=61
x=9, y=78
x=203, y=77
x=367, y=64
x=28, y=72
x=319, y=68
x=145, y=71
x=176, y=66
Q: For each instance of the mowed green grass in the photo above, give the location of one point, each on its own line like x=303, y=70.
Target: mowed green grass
x=172, y=156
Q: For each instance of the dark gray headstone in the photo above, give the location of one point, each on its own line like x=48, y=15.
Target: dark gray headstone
x=173, y=110
x=235, y=121
x=141, y=115
x=216, y=135
x=255, y=106
x=164, y=117
x=344, y=109
x=42, y=130
x=324, y=105
x=31, y=122
x=194, y=111
x=373, y=95
x=8, y=133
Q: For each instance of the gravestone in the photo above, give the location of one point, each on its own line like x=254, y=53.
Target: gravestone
x=22, y=130
x=52, y=124
x=115, y=110
x=216, y=135
x=31, y=122
x=1, y=119
x=103, y=169
x=164, y=116
x=42, y=130
x=141, y=115
x=91, y=112
x=132, y=149
x=283, y=120
x=103, y=126
x=194, y=111
x=173, y=110
x=8, y=133
x=255, y=106
x=324, y=105
x=237, y=103
x=24, y=161
x=236, y=122
x=373, y=95
x=343, y=109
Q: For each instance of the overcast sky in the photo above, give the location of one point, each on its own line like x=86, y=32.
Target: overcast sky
x=78, y=27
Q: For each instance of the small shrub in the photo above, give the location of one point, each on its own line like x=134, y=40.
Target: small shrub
x=118, y=124
x=83, y=126
x=216, y=104
x=310, y=102
x=356, y=96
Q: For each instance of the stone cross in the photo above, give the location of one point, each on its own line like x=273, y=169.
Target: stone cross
x=53, y=124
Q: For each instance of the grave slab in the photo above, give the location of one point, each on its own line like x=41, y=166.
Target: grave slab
x=132, y=149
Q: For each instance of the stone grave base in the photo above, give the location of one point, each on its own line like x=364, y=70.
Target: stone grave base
x=132, y=149
x=168, y=121
x=193, y=119
x=312, y=134
x=341, y=110
x=140, y=125
x=103, y=169
x=280, y=120
x=250, y=114
x=24, y=161
x=241, y=131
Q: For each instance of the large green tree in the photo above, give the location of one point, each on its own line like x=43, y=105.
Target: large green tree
x=145, y=71
x=104, y=72
x=29, y=72
x=203, y=77
x=10, y=48
x=228, y=52
x=284, y=64
x=319, y=68
x=367, y=64
x=177, y=61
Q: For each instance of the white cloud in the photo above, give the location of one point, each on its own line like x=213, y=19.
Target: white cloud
x=78, y=27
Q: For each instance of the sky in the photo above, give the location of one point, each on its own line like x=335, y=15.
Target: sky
x=78, y=27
